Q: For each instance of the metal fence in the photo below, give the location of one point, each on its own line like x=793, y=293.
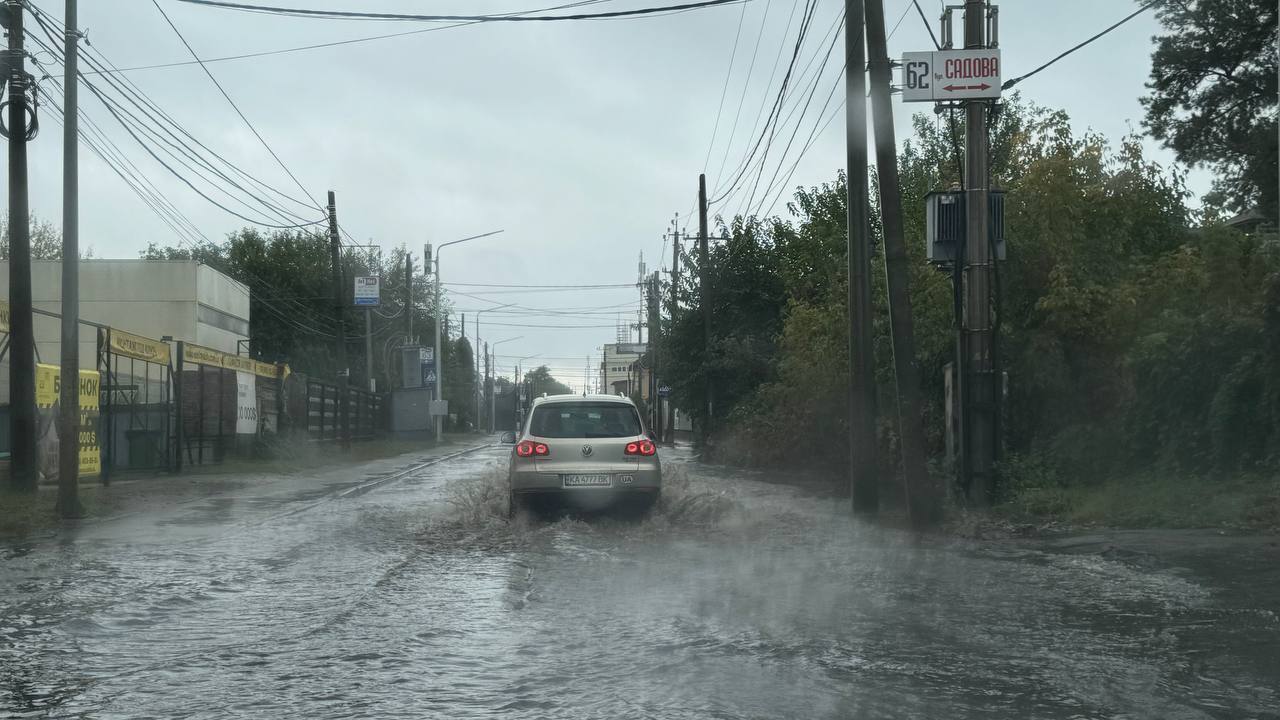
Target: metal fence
x=161, y=407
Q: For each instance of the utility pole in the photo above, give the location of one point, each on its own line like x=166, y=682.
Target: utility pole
x=488, y=388
x=704, y=287
x=669, y=435
x=408, y=297
x=977, y=376
x=437, y=353
x=655, y=406
x=368, y=348
x=863, y=461
x=68, y=419
x=344, y=369
x=22, y=363
x=69, y=409
x=924, y=507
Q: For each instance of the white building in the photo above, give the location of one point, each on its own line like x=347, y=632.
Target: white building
x=184, y=300
x=619, y=369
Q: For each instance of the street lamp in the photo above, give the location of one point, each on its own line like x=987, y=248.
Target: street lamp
x=519, y=363
x=493, y=395
x=439, y=366
x=477, y=355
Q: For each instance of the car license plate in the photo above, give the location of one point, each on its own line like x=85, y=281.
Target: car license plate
x=586, y=480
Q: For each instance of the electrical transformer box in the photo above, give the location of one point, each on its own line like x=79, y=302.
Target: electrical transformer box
x=945, y=225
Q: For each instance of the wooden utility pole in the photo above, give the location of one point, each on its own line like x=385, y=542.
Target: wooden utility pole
x=69, y=401
x=340, y=326
x=863, y=451
x=22, y=359
x=923, y=504
x=704, y=287
x=977, y=376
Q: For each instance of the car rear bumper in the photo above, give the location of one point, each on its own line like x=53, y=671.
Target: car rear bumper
x=643, y=480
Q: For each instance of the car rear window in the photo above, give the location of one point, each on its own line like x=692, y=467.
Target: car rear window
x=584, y=420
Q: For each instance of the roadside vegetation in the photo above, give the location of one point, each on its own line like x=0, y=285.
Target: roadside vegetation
x=1140, y=332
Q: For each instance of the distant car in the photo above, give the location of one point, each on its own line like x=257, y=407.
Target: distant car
x=585, y=451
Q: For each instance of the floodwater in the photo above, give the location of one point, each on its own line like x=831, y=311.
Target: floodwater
x=736, y=599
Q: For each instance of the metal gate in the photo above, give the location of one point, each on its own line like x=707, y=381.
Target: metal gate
x=137, y=402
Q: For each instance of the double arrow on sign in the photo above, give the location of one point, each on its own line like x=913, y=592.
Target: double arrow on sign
x=953, y=88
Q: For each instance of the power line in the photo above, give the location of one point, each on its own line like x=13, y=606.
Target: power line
x=231, y=102
x=927, y=26
x=157, y=115
x=360, y=15
x=335, y=43
x=1010, y=83
x=770, y=123
x=742, y=98
x=576, y=287
x=728, y=73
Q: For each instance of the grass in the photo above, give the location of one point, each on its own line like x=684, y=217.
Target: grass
x=1149, y=500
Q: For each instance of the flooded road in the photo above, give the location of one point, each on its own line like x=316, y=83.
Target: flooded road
x=736, y=599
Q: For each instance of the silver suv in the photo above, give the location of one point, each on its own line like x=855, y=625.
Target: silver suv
x=590, y=451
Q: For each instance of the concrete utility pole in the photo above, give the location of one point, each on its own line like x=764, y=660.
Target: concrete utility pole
x=437, y=352
x=368, y=348
x=863, y=460
x=923, y=504
x=69, y=409
x=22, y=363
x=977, y=376
x=487, y=388
x=704, y=286
x=655, y=406
x=344, y=369
x=670, y=435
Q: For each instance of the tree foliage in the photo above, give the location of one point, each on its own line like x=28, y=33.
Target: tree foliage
x=540, y=380
x=1213, y=95
x=1131, y=336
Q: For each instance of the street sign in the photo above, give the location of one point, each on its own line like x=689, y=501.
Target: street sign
x=367, y=291
x=951, y=75
x=427, y=354
x=664, y=391
x=428, y=376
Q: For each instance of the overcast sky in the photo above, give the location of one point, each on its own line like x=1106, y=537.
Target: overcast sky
x=580, y=139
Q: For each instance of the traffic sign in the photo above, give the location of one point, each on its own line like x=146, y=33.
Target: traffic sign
x=427, y=354
x=664, y=391
x=428, y=376
x=951, y=75
x=367, y=291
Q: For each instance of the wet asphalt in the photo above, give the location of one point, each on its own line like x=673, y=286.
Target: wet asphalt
x=399, y=590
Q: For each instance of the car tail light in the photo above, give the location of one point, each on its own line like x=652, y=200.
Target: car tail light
x=641, y=447
x=529, y=448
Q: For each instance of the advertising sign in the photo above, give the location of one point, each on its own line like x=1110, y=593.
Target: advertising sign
x=48, y=396
x=136, y=346
x=246, y=403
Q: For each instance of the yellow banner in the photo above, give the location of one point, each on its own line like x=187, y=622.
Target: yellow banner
x=139, y=347
x=266, y=370
x=201, y=355
x=48, y=384
x=238, y=362
x=4, y=316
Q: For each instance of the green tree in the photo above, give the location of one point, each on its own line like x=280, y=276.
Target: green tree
x=540, y=380
x=1213, y=95
x=46, y=239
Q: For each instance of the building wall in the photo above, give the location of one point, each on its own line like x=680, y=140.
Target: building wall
x=152, y=298
x=615, y=368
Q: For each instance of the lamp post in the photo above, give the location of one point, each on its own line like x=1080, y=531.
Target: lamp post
x=519, y=388
x=476, y=352
x=439, y=365
x=493, y=395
